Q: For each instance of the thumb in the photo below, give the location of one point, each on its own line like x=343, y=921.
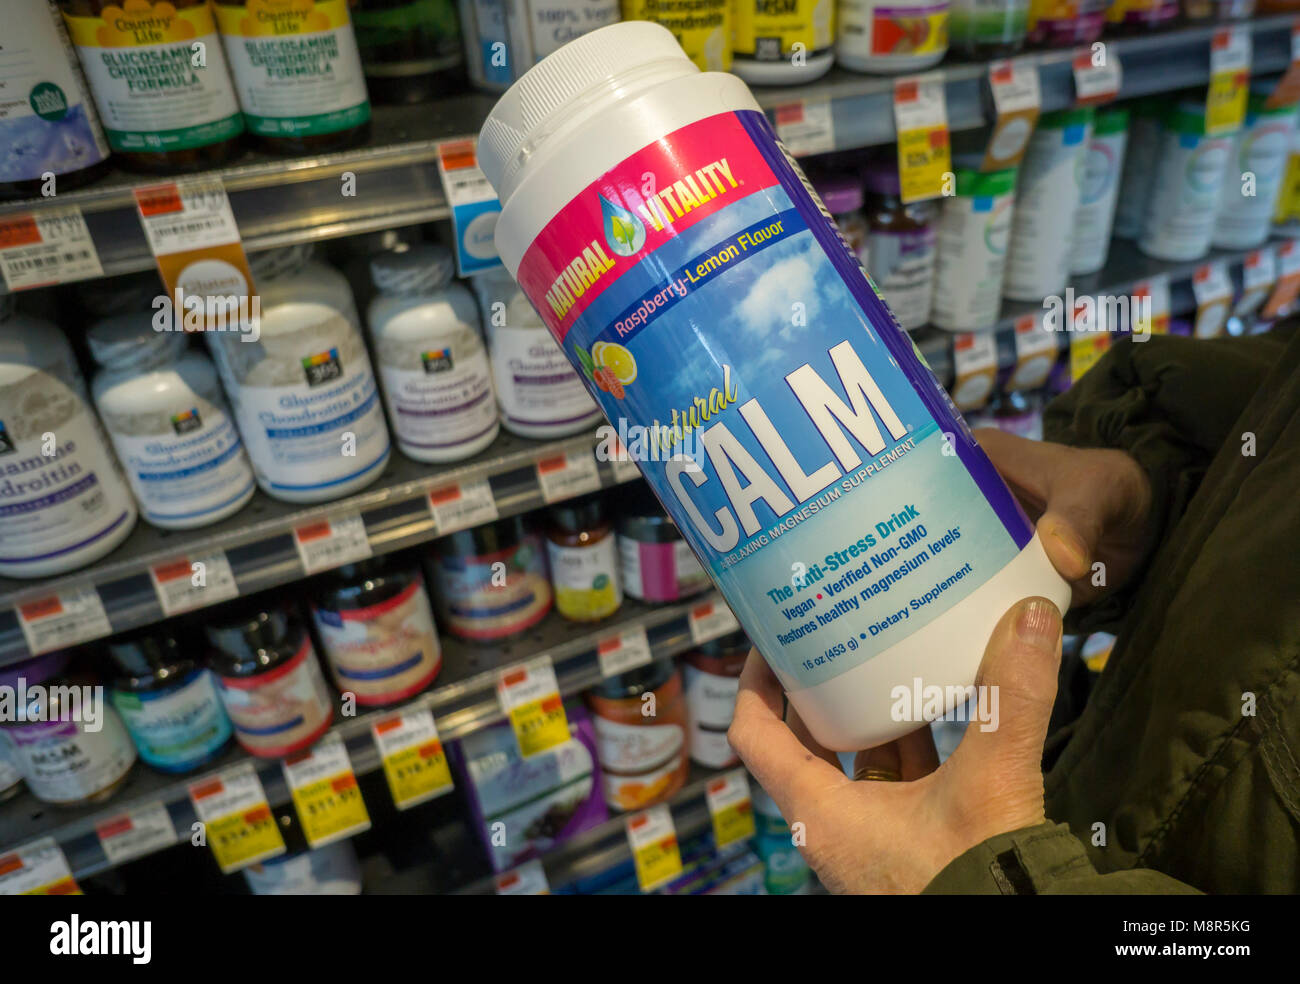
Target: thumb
x=1071, y=530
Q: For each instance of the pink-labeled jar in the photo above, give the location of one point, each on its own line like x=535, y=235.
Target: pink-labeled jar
x=657, y=564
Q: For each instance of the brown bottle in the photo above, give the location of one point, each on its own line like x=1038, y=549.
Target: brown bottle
x=159, y=80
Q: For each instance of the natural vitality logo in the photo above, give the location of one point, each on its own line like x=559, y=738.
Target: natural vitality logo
x=688, y=193
x=623, y=230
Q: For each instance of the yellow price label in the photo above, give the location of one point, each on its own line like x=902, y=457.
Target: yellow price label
x=331, y=808
x=1225, y=106
x=239, y=839
x=1086, y=350
x=658, y=862
x=540, y=724
x=733, y=823
x=924, y=157
x=417, y=774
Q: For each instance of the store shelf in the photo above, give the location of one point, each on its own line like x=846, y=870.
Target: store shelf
x=258, y=540
x=464, y=701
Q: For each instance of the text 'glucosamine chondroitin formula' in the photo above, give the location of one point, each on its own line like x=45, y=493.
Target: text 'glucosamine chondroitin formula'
x=790, y=428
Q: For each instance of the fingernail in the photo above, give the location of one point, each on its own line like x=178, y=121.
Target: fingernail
x=1072, y=544
x=1038, y=623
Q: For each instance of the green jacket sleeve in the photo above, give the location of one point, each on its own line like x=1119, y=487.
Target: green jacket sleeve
x=1043, y=860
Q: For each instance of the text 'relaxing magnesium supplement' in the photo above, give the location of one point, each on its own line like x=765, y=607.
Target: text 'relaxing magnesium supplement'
x=803, y=448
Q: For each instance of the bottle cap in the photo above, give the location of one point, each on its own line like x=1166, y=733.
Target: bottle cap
x=129, y=341
x=420, y=269
x=146, y=653
x=251, y=640
x=579, y=515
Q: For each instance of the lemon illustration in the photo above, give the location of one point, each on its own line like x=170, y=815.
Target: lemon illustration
x=616, y=359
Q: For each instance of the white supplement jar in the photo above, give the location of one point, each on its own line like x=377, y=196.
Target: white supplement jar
x=974, y=225
x=300, y=382
x=539, y=393
x=1100, y=191
x=886, y=37
x=1038, y=258
x=1262, y=150
x=432, y=364
x=786, y=43
x=797, y=422
x=1184, y=198
x=63, y=500
x=161, y=404
x=505, y=38
x=1146, y=124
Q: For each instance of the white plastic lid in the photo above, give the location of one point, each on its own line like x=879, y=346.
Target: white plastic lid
x=277, y=262
x=564, y=81
x=422, y=269
x=129, y=341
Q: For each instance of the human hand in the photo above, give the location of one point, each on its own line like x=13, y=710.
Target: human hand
x=865, y=836
x=1090, y=505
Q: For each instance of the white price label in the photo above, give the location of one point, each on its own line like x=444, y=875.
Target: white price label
x=920, y=102
x=413, y=758
x=806, y=127
x=187, y=583
x=711, y=619
x=38, y=868
x=564, y=476
x=458, y=507
x=136, y=833
x=1211, y=282
x=1258, y=270
x=655, y=851
x=1097, y=74
x=65, y=619
x=1015, y=86
x=623, y=652
x=527, y=879
x=50, y=247
x=182, y=216
x=328, y=543
x=474, y=206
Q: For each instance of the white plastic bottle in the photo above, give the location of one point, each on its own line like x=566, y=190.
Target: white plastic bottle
x=1146, y=123
x=539, y=393
x=63, y=500
x=161, y=404
x=432, y=364
x=786, y=43
x=300, y=383
x=886, y=37
x=1185, y=195
x=796, y=424
x=1047, y=195
x=974, y=226
x=1099, y=191
x=1253, y=178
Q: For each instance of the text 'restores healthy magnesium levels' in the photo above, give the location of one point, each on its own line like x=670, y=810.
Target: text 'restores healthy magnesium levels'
x=830, y=488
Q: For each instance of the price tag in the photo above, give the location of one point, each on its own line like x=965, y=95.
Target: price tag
x=565, y=475
x=64, y=619
x=414, y=762
x=474, y=206
x=1150, y=307
x=328, y=543
x=1258, y=274
x=1288, y=280
x=527, y=879
x=1085, y=349
x=921, y=119
x=1212, y=288
x=187, y=583
x=806, y=127
x=325, y=792
x=1225, y=106
x=975, y=369
x=1035, y=353
x=195, y=242
x=38, y=868
x=1097, y=74
x=50, y=247
x=654, y=847
x=623, y=652
x=237, y=819
x=1287, y=92
x=458, y=507
x=623, y=464
x=730, y=808
x=530, y=698
x=1016, y=99
x=711, y=619
x=136, y=833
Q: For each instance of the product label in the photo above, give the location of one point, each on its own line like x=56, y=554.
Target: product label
x=439, y=397
x=539, y=27
x=711, y=701
x=535, y=383
x=585, y=579
x=474, y=206
x=901, y=30
x=178, y=728
x=659, y=571
x=157, y=76
x=1246, y=209
x=701, y=27
x=901, y=265
x=1098, y=192
x=1225, y=105
x=785, y=391
x=638, y=762
x=1096, y=80
x=65, y=763
x=988, y=22
x=278, y=712
x=496, y=594
x=1182, y=206
x=768, y=32
x=972, y=253
x=296, y=64
x=1038, y=260
x=1212, y=287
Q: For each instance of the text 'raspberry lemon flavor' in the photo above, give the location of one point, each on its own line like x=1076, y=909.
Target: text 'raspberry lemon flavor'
x=780, y=414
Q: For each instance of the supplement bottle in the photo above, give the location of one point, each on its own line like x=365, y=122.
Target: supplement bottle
x=702, y=27
x=900, y=246
x=1184, y=200
x=304, y=397
x=47, y=122
x=711, y=678
x=329, y=870
x=642, y=756
x=988, y=28
x=655, y=563
x=583, y=556
x=161, y=404
x=376, y=629
x=432, y=364
x=785, y=872
x=1062, y=23
x=270, y=681
x=842, y=196
x=70, y=747
x=297, y=71
x=1139, y=16
x=1258, y=165
x=168, y=701
x=505, y=38
x=974, y=226
x=1099, y=191
x=782, y=44
x=1139, y=173
x=63, y=500
x=410, y=49
x=1047, y=196
x=815, y=444
x=539, y=393
x=886, y=37
x=159, y=79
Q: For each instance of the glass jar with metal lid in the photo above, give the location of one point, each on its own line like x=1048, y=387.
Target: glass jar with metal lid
x=655, y=563
x=583, y=559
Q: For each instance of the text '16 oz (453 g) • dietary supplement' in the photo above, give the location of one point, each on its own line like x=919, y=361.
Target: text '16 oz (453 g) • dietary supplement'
x=816, y=466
